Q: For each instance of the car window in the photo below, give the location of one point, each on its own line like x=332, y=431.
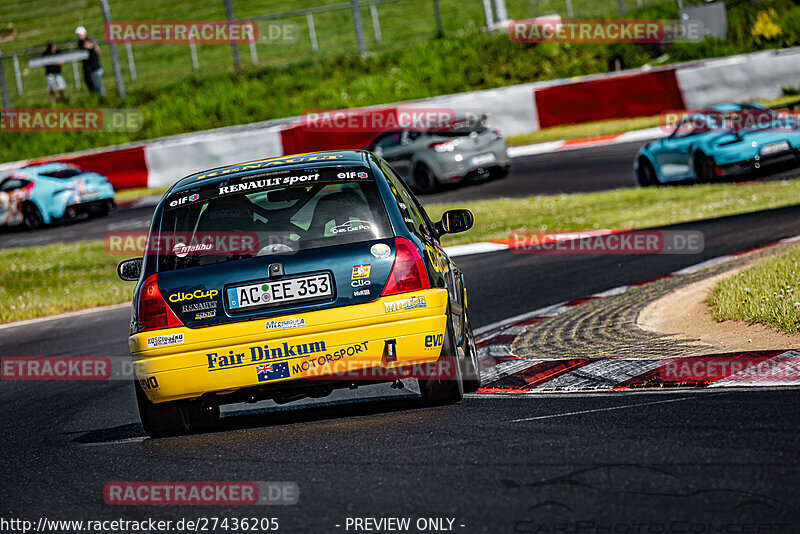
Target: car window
x=12, y=184
x=321, y=208
x=417, y=221
x=62, y=173
x=389, y=140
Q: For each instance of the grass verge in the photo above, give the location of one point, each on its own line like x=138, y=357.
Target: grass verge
x=767, y=293
x=126, y=195
x=50, y=279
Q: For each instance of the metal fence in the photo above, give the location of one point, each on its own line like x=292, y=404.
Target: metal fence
x=354, y=27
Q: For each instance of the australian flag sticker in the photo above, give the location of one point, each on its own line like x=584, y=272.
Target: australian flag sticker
x=272, y=371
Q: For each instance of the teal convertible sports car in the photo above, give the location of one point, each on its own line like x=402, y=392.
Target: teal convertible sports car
x=726, y=141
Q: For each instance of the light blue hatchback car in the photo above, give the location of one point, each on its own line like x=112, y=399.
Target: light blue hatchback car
x=42, y=194
x=726, y=141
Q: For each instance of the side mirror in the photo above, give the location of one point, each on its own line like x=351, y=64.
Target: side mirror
x=455, y=221
x=130, y=270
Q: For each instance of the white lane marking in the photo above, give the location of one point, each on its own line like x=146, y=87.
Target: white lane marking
x=596, y=410
x=137, y=439
x=702, y=265
x=534, y=149
x=611, y=292
x=67, y=315
x=474, y=248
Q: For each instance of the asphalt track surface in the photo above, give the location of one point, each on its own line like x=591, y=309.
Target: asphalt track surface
x=650, y=462
x=572, y=171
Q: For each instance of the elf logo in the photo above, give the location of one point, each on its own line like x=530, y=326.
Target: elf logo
x=352, y=174
x=433, y=341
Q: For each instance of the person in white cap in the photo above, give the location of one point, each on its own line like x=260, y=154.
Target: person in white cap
x=92, y=72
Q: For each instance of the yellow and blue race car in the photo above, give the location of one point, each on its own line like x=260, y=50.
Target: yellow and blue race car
x=291, y=277
x=726, y=141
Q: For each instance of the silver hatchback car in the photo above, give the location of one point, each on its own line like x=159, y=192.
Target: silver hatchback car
x=430, y=158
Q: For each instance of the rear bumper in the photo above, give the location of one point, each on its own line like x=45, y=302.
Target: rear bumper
x=790, y=158
x=224, y=359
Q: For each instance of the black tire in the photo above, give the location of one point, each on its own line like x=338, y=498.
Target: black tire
x=646, y=174
x=471, y=371
x=499, y=173
x=99, y=211
x=424, y=179
x=199, y=417
x=159, y=420
x=448, y=387
x=703, y=168
x=31, y=216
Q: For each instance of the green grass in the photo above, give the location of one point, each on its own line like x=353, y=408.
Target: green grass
x=50, y=279
x=620, y=208
x=767, y=293
x=137, y=193
x=45, y=280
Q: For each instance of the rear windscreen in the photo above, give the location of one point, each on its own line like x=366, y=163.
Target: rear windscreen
x=268, y=214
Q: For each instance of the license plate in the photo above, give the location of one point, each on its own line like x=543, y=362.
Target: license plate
x=483, y=159
x=774, y=148
x=278, y=292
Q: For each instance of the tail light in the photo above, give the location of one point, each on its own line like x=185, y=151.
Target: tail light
x=29, y=186
x=408, y=271
x=152, y=310
x=445, y=146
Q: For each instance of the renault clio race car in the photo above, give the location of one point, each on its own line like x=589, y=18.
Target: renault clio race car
x=42, y=194
x=727, y=141
x=291, y=277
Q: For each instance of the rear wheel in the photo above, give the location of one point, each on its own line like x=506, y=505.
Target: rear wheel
x=646, y=174
x=99, y=210
x=31, y=216
x=471, y=371
x=424, y=179
x=159, y=420
x=446, y=386
x=703, y=168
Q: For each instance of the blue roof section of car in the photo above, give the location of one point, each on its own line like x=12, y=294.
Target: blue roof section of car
x=331, y=158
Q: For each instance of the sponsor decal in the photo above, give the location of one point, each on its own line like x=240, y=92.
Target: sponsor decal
x=181, y=250
x=405, y=304
x=360, y=283
x=355, y=225
x=199, y=306
x=285, y=324
x=194, y=295
x=160, y=341
x=352, y=174
x=320, y=361
x=270, y=163
x=360, y=271
x=272, y=371
x=267, y=182
x=258, y=354
x=432, y=341
x=149, y=383
x=205, y=315
x=361, y=292
x=380, y=250
x=181, y=201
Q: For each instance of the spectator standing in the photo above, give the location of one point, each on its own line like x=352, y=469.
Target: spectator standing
x=52, y=75
x=92, y=72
